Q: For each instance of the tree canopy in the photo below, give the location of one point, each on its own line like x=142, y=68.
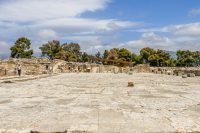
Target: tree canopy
x=71, y=52
x=186, y=58
x=21, y=48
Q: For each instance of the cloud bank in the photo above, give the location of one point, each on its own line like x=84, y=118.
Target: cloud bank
x=43, y=20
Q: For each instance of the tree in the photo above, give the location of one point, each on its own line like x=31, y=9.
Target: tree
x=51, y=49
x=105, y=57
x=84, y=57
x=124, y=55
x=112, y=56
x=105, y=54
x=196, y=56
x=135, y=58
x=145, y=53
x=91, y=58
x=98, y=55
x=160, y=58
x=21, y=48
x=66, y=56
x=73, y=49
x=185, y=58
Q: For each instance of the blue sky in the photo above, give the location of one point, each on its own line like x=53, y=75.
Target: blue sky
x=102, y=24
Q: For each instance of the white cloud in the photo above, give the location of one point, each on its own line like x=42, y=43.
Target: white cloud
x=152, y=38
x=83, y=24
x=43, y=20
x=191, y=29
x=47, y=34
x=61, y=16
x=35, y=10
x=148, y=40
x=82, y=38
x=194, y=12
x=158, y=41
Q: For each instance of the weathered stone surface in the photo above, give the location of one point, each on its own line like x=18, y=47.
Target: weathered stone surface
x=178, y=71
x=191, y=75
x=130, y=73
x=158, y=72
x=39, y=66
x=184, y=76
x=170, y=73
x=144, y=68
x=179, y=74
x=101, y=103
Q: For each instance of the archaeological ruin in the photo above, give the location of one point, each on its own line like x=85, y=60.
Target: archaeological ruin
x=59, y=96
x=39, y=66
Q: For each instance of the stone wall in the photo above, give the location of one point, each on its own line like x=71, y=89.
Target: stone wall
x=142, y=68
x=28, y=66
x=38, y=66
x=178, y=71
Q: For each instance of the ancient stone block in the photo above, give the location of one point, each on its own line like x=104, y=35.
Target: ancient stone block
x=179, y=74
x=191, y=75
x=130, y=84
x=158, y=72
x=170, y=73
x=115, y=72
x=130, y=73
x=163, y=72
x=184, y=76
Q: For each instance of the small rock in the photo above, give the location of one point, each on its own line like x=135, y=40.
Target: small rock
x=184, y=76
x=130, y=84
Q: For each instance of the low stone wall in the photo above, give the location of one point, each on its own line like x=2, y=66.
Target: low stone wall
x=38, y=66
x=28, y=67
x=142, y=68
x=178, y=71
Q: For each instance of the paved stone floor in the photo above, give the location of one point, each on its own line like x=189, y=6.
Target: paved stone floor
x=102, y=103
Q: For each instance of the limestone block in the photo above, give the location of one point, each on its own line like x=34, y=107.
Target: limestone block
x=130, y=73
x=191, y=75
x=115, y=72
x=155, y=71
x=158, y=72
x=179, y=74
x=184, y=76
x=163, y=72
x=170, y=73
x=130, y=84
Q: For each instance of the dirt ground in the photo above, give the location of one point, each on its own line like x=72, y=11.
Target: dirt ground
x=102, y=103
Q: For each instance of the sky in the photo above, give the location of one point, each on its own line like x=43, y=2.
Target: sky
x=102, y=24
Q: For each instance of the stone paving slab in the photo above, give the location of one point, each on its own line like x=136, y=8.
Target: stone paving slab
x=101, y=103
